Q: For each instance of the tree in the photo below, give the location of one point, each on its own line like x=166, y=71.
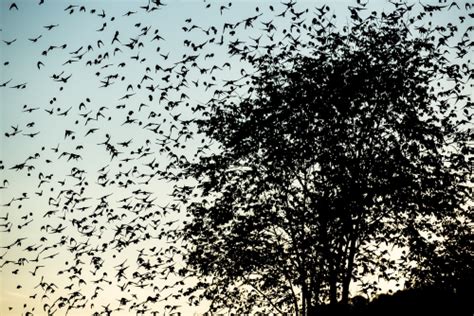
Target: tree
x=338, y=147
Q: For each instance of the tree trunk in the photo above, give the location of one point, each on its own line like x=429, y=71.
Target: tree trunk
x=348, y=272
x=315, y=284
x=333, y=284
x=309, y=305
x=303, y=298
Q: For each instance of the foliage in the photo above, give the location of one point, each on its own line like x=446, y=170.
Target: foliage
x=340, y=145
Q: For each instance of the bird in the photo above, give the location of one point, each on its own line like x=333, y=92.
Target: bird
x=51, y=26
x=9, y=42
x=35, y=39
x=5, y=83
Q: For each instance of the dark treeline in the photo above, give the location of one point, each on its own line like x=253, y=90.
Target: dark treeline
x=420, y=301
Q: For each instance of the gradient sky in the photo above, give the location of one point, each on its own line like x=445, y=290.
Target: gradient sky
x=22, y=200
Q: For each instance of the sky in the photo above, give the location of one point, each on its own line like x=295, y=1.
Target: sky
x=70, y=91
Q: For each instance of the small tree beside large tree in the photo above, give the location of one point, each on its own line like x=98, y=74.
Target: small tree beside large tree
x=341, y=146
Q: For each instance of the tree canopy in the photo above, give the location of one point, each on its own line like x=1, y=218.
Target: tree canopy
x=340, y=147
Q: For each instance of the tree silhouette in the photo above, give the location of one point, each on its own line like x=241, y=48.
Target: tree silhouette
x=341, y=147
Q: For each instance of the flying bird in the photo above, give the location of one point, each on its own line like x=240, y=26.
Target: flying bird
x=9, y=42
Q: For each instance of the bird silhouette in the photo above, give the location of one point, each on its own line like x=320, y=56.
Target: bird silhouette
x=51, y=26
x=9, y=42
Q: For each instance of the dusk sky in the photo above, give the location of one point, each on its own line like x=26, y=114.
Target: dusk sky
x=73, y=92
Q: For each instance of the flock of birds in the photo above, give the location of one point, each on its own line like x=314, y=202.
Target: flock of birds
x=83, y=226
